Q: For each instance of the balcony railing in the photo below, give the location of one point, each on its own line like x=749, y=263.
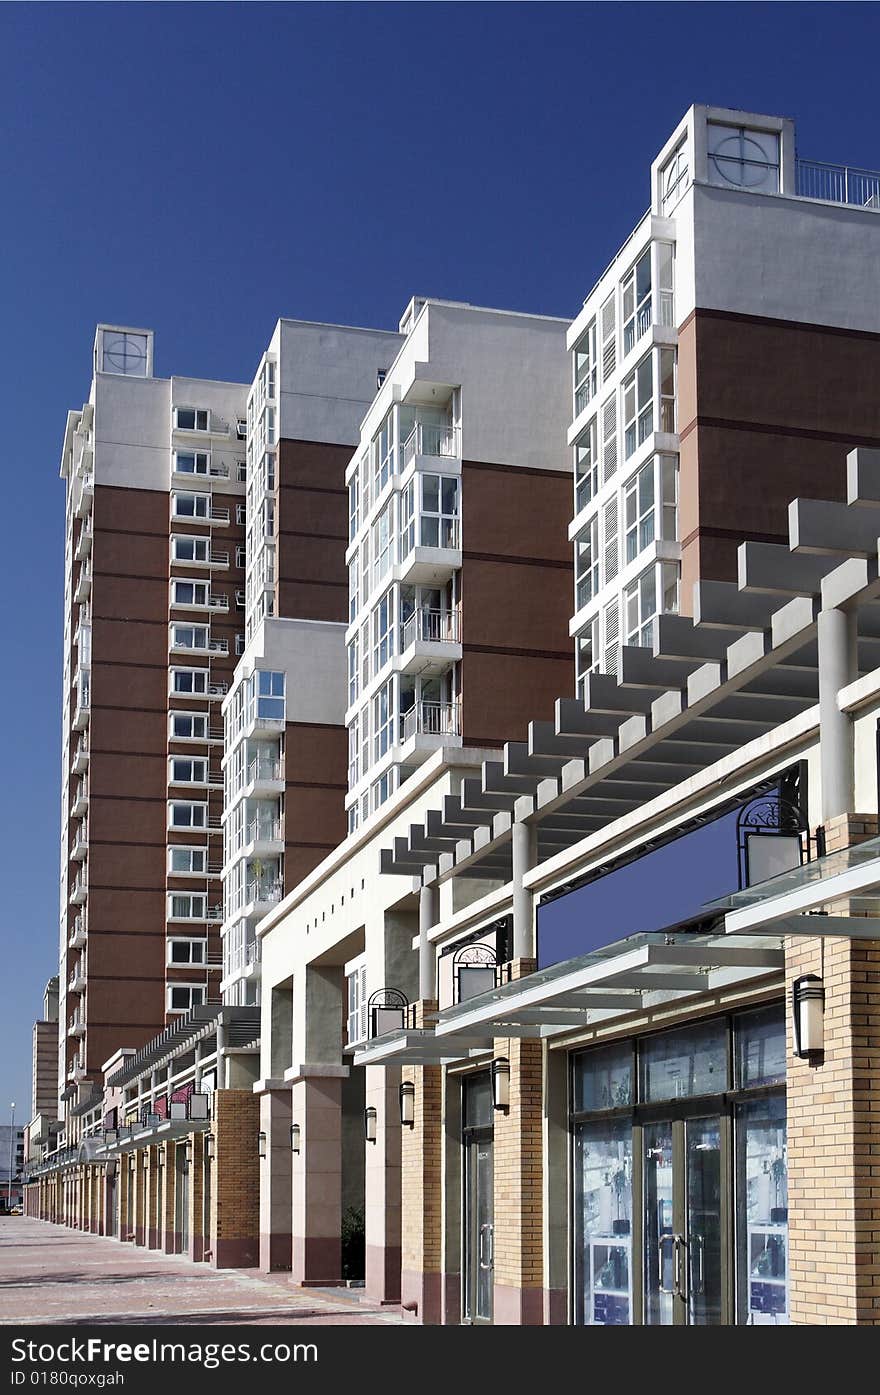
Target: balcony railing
x=219, y=515
x=263, y=770
x=263, y=831
x=266, y=891
x=430, y=438
x=432, y=626
x=219, y=558
x=838, y=184
x=219, y=603
x=430, y=719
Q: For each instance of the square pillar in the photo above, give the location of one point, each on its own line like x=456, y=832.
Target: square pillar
x=125, y=1195
x=833, y=1125
x=382, y=1186
x=196, y=1220
x=152, y=1222
x=168, y=1240
x=276, y=1181
x=421, y=1198
x=140, y=1197
x=235, y=1181
x=518, y=1155
x=316, y=1178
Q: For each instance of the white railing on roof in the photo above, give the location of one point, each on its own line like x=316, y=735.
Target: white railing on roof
x=838, y=183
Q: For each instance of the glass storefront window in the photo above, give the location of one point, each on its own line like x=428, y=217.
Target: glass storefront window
x=678, y=1064
x=759, y=1047
x=603, y=1220
x=603, y=1079
x=762, y=1211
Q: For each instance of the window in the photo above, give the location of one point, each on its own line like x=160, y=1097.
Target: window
x=586, y=467
x=353, y=819
x=637, y=302
x=383, y=454
x=240, y=557
x=667, y=391
x=640, y=600
x=266, y=694
x=585, y=368
x=586, y=564
x=239, y=600
x=239, y=644
x=187, y=905
x=673, y=178
x=382, y=788
x=586, y=653
x=407, y=520
x=354, y=491
x=685, y=1061
x=382, y=539
x=353, y=579
x=189, y=680
x=125, y=353
x=190, y=505
x=666, y=283
x=383, y=635
x=240, y=514
x=241, y=429
x=669, y=496
x=189, y=726
x=182, y=997
x=383, y=720
x=353, y=754
x=639, y=511
x=187, y=815
x=744, y=158
x=189, y=593
x=608, y=322
x=187, y=951
x=188, y=862
x=638, y=406
x=439, y=520
x=353, y=670
x=187, y=549
x=188, y=770
x=190, y=419
x=196, y=462
x=190, y=637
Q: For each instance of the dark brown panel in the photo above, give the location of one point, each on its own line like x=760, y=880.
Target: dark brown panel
x=516, y=513
x=130, y=685
x=516, y=606
x=128, y=598
x=315, y=464
x=119, y=509
x=309, y=601
x=316, y=754
x=314, y=815
x=501, y=694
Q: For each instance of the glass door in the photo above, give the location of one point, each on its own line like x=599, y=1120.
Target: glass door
x=181, y=1199
x=685, y=1220
x=479, y=1202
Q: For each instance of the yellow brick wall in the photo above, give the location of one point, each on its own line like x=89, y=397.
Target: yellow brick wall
x=421, y=1184
x=235, y=1175
x=518, y=1169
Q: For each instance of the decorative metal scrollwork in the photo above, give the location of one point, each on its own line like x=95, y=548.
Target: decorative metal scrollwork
x=386, y=1011
x=474, y=970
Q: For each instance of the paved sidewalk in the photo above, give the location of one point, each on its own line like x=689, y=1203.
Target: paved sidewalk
x=49, y=1274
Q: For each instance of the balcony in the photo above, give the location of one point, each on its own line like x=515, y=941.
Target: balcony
x=76, y=1026
x=80, y=804
x=219, y=557
x=83, y=493
x=243, y=962
x=429, y=641
x=219, y=603
x=218, y=515
x=78, y=933
x=431, y=554
x=78, y=978
x=80, y=846
x=432, y=440
x=838, y=184
x=437, y=719
x=81, y=757
x=84, y=583
x=264, y=838
x=80, y=889
x=84, y=540
x=261, y=896
x=264, y=777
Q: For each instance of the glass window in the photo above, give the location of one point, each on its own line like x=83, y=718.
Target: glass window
x=353, y=670
x=189, y=593
x=603, y=1079
x=189, y=680
x=680, y=1063
x=603, y=1223
x=586, y=467
x=439, y=518
x=640, y=599
x=586, y=561
x=637, y=302
x=182, y=997
x=669, y=493
x=353, y=506
x=759, y=1047
x=192, y=462
x=674, y=178
x=186, y=951
x=383, y=634
x=639, y=511
x=190, y=419
x=477, y=1101
x=586, y=651
x=747, y=159
x=188, y=770
x=189, y=636
x=189, y=726
x=585, y=368
x=407, y=520
x=383, y=714
x=188, y=861
x=761, y=1188
x=186, y=549
x=666, y=284
x=638, y=406
x=191, y=505
x=187, y=906
x=668, y=414
x=382, y=543
x=188, y=815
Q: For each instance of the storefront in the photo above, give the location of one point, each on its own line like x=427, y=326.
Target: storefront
x=679, y=1203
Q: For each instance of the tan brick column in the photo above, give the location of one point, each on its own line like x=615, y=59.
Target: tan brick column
x=518, y=1150
x=197, y=1245
x=235, y=1188
x=167, y=1241
x=421, y=1226
x=152, y=1200
x=833, y=1127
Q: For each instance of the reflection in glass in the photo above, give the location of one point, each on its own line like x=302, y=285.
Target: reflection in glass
x=704, y=1220
x=603, y=1079
x=603, y=1222
x=678, y=1064
x=659, y=1242
x=762, y=1212
x=760, y=1046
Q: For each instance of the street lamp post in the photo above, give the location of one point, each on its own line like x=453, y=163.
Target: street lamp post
x=11, y=1157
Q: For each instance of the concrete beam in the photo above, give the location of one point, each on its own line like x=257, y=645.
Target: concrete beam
x=863, y=477
x=722, y=605
x=573, y=720
x=602, y=693
x=820, y=526
x=773, y=568
x=677, y=637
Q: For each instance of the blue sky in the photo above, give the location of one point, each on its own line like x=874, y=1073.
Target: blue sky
x=202, y=169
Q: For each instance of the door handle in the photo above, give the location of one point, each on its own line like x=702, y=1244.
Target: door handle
x=679, y=1267
x=486, y=1234
x=663, y=1240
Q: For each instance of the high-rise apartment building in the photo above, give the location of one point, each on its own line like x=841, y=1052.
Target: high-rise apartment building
x=720, y=364
x=459, y=579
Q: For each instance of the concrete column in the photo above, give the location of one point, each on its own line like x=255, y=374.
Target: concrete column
x=276, y=1180
x=316, y=1180
x=382, y=1186
x=522, y=851
x=429, y=914
x=838, y=665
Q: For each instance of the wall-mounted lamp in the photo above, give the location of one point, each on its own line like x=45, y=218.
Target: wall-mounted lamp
x=501, y=1083
x=808, y=1011
x=209, y=1147
x=294, y=1138
x=370, y=1122
x=261, y=1144
x=407, y=1103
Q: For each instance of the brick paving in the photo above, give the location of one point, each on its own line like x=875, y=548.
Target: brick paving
x=50, y=1274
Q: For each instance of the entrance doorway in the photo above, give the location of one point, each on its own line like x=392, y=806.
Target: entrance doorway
x=684, y=1166
x=181, y=1198
x=479, y=1200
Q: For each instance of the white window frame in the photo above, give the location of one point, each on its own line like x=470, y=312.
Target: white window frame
x=638, y=414
x=640, y=511
x=201, y=462
x=196, y=807
x=586, y=465
x=182, y=542
x=586, y=564
x=196, y=718
x=636, y=304
x=200, y=588
x=201, y=505
x=197, y=690
x=195, y=994
x=187, y=905
x=585, y=364
x=195, y=853
x=198, y=770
